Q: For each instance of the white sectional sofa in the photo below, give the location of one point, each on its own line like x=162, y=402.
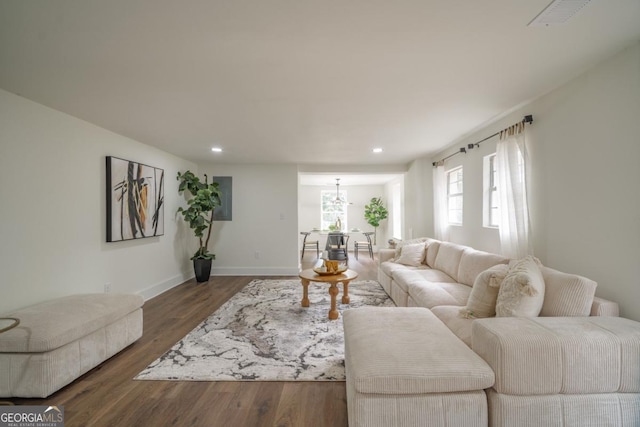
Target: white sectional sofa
x=444, y=278
x=572, y=363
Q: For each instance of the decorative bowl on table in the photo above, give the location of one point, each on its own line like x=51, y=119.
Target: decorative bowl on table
x=330, y=267
x=324, y=272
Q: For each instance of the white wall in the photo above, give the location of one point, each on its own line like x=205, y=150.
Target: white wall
x=52, y=211
x=585, y=202
x=391, y=189
x=262, y=237
x=358, y=195
x=418, y=196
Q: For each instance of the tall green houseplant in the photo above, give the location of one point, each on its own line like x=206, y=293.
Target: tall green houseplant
x=205, y=197
x=375, y=212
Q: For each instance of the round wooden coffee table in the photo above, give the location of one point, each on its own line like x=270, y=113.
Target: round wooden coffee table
x=307, y=276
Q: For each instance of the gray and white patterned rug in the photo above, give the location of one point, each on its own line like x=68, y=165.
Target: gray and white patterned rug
x=263, y=333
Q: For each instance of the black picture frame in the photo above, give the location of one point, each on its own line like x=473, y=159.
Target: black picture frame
x=135, y=200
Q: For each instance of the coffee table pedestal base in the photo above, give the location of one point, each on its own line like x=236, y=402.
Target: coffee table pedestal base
x=308, y=276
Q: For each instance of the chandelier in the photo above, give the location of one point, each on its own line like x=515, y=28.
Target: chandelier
x=338, y=201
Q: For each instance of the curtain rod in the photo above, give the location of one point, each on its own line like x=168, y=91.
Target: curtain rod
x=527, y=119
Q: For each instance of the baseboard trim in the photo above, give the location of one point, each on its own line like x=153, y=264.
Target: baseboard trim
x=164, y=286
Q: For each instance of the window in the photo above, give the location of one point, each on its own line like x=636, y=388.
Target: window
x=491, y=217
x=454, y=196
x=330, y=211
x=492, y=210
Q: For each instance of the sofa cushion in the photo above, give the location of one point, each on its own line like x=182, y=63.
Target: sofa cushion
x=448, y=258
x=432, y=275
x=403, y=277
x=460, y=326
x=522, y=291
x=390, y=268
x=418, y=354
x=431, y=294
x=566, y=294
x=412, y=255
x=52, y=324
x=567, y=355
x=473, y=262
x=432, y=246
x=484, y=293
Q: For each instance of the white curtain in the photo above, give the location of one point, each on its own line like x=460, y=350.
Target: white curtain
x=512, y=166
x=440, y=215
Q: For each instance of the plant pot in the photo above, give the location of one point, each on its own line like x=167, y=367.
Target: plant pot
x=202, y=268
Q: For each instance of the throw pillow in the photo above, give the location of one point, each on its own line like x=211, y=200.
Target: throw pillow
x=522, y=291
x=402, y=243
x=484, y=293
x=566, y=294
x=411, y=255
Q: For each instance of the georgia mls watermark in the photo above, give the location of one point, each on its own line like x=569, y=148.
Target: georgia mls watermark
x=31, y=416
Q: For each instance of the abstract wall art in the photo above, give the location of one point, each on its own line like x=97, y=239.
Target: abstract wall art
x=135, y=200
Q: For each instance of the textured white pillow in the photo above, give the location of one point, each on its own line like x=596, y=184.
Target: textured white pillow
x=484, y=293
x=566, y=294
x=522, y=291
x=411, y=255
x=402, y=243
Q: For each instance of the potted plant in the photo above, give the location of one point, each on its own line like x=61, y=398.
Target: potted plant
x=375, y=212
x=205, y=197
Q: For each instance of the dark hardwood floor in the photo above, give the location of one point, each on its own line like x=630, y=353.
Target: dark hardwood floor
x=108, y=395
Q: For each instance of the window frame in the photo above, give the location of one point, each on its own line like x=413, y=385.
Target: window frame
x=491, y=213
x=491, y=200
x=341, y=213
x=455, y=196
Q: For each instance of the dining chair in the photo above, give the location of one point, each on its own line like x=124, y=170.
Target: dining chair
x=364, y=245
x=338, y=245
x=345, y=246
x=309, y=244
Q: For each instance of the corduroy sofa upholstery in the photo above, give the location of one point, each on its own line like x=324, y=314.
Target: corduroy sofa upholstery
x=59, y=340
x=439, y=381
x=575, y=364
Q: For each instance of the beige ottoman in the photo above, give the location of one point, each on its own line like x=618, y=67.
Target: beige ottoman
x=406, y=368
x=57, y=341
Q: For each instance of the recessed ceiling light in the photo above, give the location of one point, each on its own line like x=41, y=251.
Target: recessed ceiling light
x=377, y=150
x=216, y=149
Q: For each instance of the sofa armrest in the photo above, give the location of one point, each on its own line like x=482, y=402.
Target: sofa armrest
x=603, y=307
x=385, y=254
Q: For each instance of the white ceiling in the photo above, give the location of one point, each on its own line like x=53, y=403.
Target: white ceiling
x=346, y=180
x=290, y=81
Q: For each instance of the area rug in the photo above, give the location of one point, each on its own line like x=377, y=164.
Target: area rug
x=263, y=333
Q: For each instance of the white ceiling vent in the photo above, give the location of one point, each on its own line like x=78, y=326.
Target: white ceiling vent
x=558, y=12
